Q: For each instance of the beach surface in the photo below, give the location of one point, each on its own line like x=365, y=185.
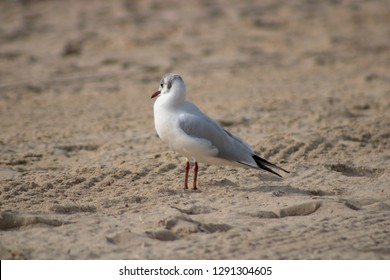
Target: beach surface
x=83, y=174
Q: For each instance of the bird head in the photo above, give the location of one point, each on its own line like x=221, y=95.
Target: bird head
x=172, y=88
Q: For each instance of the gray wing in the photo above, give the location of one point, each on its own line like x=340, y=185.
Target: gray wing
x=230, y=147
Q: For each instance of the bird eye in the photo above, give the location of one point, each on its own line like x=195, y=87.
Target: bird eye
x=162, y=85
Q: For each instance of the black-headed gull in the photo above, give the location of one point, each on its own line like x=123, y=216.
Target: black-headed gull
x=188, y=131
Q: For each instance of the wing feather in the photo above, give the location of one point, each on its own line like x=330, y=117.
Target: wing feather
x=229, y=146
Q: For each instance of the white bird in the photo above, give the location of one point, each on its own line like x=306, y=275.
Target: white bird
x=188, y=131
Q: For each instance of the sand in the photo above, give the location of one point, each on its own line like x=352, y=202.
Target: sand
x=83, y=174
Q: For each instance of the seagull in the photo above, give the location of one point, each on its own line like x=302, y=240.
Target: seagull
x=191, y=133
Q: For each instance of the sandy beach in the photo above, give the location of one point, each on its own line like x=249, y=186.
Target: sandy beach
x=83, y=174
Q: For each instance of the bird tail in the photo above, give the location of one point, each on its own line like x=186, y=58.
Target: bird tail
x=264, y=164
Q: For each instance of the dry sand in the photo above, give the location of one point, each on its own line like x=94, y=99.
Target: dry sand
x=83, y=174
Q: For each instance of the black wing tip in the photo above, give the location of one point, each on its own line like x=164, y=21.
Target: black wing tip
x=269, y=170
x=262, y=163
x=284, y=170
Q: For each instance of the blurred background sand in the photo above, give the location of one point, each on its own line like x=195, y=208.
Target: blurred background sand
x=83, y=174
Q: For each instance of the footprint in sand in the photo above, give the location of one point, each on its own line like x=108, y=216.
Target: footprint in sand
x=195, y=210
x=9, y=220
x=71, y=209
x=352, y=171
x=181, y=226
x=295, y=210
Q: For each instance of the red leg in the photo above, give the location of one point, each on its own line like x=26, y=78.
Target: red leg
x=186, y=176
x=195, y=176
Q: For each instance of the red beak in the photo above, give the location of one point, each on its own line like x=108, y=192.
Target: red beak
x=157, y=93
